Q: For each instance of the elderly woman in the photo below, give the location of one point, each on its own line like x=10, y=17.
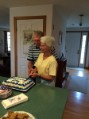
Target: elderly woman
x=46, y=64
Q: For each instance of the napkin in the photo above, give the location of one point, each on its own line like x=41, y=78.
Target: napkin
x=7, y=103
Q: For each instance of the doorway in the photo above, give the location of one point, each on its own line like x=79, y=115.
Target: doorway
x=76, y=47
x=22, y=24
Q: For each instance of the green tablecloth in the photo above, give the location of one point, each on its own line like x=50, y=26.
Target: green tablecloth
x=44, y=102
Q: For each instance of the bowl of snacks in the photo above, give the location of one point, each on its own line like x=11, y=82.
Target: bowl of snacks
x=17, y=115
x=5, y=91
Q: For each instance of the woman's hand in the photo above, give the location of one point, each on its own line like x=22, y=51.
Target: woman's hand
x=34, y=75
x=33, y=72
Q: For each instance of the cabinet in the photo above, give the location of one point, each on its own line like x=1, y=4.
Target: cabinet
x=61, y=72
x=5, y=66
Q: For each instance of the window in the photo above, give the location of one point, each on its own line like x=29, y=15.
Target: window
x=82, y=55
x=8, y=41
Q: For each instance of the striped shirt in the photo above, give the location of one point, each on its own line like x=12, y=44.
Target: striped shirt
x=33, y=53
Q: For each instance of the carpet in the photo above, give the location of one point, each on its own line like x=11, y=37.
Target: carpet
x=78, y=83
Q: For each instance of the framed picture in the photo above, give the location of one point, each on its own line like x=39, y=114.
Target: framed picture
x=27, y=40
x=27, y=27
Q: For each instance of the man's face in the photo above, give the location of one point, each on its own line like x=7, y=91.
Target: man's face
x=36, y=39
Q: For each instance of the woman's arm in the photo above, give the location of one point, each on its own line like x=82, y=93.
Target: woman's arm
x=47, y=77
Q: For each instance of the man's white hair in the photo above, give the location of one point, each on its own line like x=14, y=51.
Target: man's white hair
x=48, y=40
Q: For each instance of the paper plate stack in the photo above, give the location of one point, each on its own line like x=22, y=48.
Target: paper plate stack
x=5, y=91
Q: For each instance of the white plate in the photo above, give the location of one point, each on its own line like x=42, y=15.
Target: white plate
x=30, y=115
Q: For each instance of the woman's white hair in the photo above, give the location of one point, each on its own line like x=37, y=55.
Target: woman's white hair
x=48, y=40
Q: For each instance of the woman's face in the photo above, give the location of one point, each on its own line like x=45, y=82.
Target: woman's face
x=44, y=48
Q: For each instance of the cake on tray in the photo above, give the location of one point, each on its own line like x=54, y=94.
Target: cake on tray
x=19, y=83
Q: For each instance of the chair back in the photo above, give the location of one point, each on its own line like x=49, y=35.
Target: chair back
x=61, y=70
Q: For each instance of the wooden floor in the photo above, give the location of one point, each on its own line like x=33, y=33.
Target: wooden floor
x=77, y=106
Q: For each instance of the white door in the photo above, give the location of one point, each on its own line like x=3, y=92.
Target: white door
x=24, y=32
x=72, y=48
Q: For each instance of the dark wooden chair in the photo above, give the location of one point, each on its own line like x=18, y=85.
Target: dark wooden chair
x=61, y=72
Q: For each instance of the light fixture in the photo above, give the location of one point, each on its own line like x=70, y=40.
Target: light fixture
x=81, y=22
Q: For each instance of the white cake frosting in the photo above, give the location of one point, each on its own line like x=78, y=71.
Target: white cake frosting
x=18, y=82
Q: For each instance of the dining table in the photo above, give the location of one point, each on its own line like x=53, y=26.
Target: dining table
x=44, y=102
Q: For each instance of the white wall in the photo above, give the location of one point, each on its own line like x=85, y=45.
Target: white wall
x=59, y=24
x=29, y=11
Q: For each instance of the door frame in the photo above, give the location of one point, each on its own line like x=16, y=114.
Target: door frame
x=15, y=33
x=82, y=32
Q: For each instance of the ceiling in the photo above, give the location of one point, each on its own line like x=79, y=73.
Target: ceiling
x=72, y=9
